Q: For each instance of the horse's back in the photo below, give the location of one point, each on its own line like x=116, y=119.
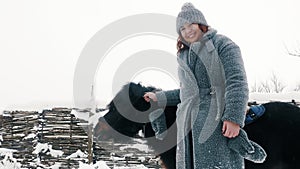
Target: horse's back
x=277, y=132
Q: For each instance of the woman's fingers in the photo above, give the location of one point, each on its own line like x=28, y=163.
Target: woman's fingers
x=150, y=96
x=230, y=129
x=147, y=98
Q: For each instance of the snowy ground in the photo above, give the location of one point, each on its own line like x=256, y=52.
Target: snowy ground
x=8, y=162
x=267, y=97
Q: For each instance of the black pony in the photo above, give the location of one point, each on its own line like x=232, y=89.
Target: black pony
x=129, y=103
x=276, y=131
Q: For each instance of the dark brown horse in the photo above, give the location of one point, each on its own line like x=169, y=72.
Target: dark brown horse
x=276, y=131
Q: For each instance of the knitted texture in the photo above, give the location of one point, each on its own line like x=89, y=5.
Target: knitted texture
x=189, y=14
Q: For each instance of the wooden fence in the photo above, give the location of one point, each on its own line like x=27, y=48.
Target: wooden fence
x=61, y=131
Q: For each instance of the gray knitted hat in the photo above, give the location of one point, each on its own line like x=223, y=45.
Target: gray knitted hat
x=189, y=14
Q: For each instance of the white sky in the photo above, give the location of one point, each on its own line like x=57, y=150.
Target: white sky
x=40, y=41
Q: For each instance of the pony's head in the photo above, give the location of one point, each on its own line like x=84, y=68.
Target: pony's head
x=127, y=112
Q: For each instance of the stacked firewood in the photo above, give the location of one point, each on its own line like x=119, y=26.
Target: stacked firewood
x=52, y=137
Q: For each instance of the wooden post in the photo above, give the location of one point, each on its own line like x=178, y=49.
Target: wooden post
x=90, y=126
x=90, y=143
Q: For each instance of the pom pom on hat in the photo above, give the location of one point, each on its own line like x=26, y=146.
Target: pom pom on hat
x=189, y=14
x=187, y=6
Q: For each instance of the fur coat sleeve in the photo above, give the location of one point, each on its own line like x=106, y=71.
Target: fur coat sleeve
x=236, y=91
x=168, y=98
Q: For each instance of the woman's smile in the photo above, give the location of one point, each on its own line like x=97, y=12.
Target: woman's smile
x=191, y=32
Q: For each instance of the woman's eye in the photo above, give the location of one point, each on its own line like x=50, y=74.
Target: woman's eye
x=190, y=25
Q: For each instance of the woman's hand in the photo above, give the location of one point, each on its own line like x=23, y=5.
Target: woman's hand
x=150, y=96
x=230, y=129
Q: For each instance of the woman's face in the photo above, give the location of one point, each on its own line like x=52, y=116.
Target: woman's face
x=191, y=32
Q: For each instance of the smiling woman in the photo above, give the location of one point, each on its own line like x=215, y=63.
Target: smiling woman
x=209, y=65
x=192, y=32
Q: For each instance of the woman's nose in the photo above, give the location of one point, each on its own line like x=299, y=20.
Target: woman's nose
x=189, y=30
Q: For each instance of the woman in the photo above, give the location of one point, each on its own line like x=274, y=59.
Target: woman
x=213, y=98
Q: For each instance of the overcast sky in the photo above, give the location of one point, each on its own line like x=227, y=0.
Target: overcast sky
x=41, y=41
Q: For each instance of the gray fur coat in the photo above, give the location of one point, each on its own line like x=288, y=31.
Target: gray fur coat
x=213, y=89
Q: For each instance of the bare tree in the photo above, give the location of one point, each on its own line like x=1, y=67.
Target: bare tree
x=297, y=89
x=266, y=87
x=295, y=51
x=270, y=85
x=256, y=88
x=277, y=85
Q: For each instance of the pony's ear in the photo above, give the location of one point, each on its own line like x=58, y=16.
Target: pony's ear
x=110, y=105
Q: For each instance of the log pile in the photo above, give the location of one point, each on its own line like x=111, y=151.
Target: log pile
x=61, y=134
x=60, y=129
x=19, y=129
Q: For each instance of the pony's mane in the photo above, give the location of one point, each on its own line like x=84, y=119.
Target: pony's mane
x=131, y=89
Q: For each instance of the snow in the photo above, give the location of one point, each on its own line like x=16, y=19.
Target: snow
x=44, y=147
x=102, y=165
x=57, y=165
x=77, y=154
x=135, y=167
x=92, y=118
x=113, y=158
x=4, y=151
x=9, y=162
x=29, y=136
x=98, y=165
x=267, y=97
x=140, y=147
x=80, y=115
x=140, y=140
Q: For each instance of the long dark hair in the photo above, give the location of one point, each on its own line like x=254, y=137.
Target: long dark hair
x=181, y=46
